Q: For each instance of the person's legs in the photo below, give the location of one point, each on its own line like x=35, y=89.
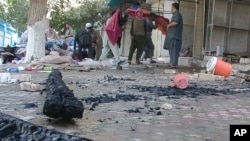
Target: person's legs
x=132, y=49
x=176, y=52
x=171, y=62
x=150, y=49
x=105, y=52
x=91, y=52
x=145, y=51
x=140, y=47
x=80, y=53
x=170, y=50
x=115, y=51
x=98, y=51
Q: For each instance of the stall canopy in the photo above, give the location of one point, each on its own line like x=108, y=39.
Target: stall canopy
x=119, y=2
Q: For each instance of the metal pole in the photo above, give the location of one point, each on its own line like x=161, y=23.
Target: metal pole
x=212, y=25
x=248, y=35
x=229, y=25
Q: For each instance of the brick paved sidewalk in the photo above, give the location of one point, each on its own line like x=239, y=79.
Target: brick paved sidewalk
x=206, y=117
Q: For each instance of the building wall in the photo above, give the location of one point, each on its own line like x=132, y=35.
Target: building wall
x=191, y=27
x=6, y=34
x=229, y=26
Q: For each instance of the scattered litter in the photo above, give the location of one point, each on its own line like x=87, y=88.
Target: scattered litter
x=136, y=110
x=13, y=81
x=219, y=67
x=166, y=106
x=159, y=113
x=54, y=60
x=45, y=71
x=28, y=86
x=4, y=77
x=29, y=105
x=114, y=78
x=157, y=108
x=12, y=128
x=21, y=77
x=85, y=69
x=181, y=81
x=48, y=68
x=193, y=91
x=88, y=62
x=30, y=68
x=132, y=129
x=101, y=120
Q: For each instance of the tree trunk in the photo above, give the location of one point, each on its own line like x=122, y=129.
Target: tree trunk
x=37, y=24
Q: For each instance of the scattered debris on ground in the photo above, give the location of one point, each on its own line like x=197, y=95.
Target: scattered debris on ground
x=12, y=129
x=193, y=91
x=28, y=86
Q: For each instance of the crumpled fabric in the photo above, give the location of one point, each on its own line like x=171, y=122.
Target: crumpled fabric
x=113, y=29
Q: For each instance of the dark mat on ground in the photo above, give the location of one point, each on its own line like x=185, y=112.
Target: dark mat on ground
x=13, y=129
x=60, y=101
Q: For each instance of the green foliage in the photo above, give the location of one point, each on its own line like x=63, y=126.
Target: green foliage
x=15, y=13
x=91, y=11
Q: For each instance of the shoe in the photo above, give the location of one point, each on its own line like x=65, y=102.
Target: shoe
x=171, y=66
x=138, y=62
x=121, y=62
x=153, y=62
x=129, y=62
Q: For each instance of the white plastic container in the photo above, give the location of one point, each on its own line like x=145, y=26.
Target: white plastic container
x=211, y=64
x=4, y=77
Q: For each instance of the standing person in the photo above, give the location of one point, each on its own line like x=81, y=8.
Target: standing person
x=96, y=42
x=138, y=37
x=68, y=34
x=149, y=47
x=113, y=31
x=84, y=40
x=68, y=31
x=173, y=40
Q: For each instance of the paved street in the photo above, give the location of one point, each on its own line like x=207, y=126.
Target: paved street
x=203, y=112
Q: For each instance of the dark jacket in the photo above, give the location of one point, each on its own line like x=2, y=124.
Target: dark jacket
x=83, y=38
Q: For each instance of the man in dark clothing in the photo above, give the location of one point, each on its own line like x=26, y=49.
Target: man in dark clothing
x=173, y=40
x=149, y=45
x=84, y=40
x=138, y=37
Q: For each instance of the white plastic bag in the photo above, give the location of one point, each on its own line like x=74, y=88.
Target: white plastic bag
x=88, y=62
x=107, y=63
x=4, y=77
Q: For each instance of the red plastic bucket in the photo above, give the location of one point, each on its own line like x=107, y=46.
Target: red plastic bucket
x=181, y=81
x=219, y=67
